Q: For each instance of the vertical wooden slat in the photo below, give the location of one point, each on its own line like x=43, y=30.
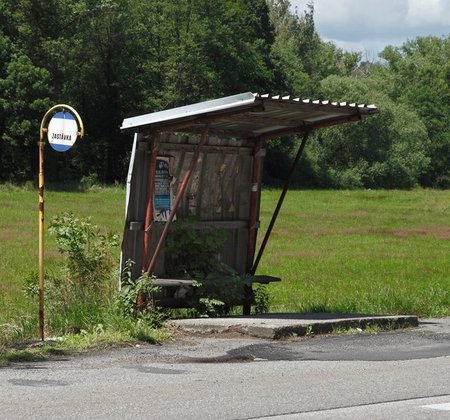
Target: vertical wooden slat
x=203, y=193
x=227, y=187
x=254, y=203
x=180, y=194
x=151, y=173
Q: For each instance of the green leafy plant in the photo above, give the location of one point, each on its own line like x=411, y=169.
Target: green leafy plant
x=262, y=299
x=89, y=182
x=87, y=249
x=147, y=316
x=193, y=252
x=79, y=294
x=210, y=307
x=223, y=285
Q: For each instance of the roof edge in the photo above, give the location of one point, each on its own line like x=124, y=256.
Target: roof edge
x=172, y=114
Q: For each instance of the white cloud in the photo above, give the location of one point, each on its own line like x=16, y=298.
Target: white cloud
x=422, y=13
x=370, y=25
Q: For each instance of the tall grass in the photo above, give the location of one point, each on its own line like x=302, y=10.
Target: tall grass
x=19, y=255
x=360, y=251
x=348, y=251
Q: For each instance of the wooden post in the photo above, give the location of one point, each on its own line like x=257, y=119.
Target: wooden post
x=254, y=203
x=280, y=202
x=151, y=173
x=255, y=192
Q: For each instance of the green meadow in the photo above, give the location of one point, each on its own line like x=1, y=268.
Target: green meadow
x=362, y=251
x=19, y=236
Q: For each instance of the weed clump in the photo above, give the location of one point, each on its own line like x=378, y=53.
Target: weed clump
x=82, y=298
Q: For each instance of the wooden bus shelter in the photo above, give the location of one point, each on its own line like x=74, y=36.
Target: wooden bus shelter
x=204, y=161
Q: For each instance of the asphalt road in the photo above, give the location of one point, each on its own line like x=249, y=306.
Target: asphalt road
x=393, y=375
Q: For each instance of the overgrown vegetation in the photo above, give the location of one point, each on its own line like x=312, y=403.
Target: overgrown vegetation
x=194, y=254
x=148, y=313
x=82, y=297
x=360, y=251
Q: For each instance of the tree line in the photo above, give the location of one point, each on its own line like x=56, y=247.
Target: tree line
x=111, y=59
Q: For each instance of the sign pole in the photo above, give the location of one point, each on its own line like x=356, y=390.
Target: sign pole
x=41, y=238
x=62, y=137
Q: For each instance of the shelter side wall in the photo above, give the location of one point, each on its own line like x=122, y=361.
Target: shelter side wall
x=217, y=196
x=217, y=193
x=135, y=213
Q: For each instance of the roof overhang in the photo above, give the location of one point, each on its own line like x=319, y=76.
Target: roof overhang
x=249, y=115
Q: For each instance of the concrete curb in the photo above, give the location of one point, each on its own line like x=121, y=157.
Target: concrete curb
x=277, y=326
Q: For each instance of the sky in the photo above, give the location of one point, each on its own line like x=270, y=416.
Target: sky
x=370, y=25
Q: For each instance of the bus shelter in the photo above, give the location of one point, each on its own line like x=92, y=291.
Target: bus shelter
x=204, y=162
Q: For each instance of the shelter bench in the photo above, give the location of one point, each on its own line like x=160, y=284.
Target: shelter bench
x=172, y=301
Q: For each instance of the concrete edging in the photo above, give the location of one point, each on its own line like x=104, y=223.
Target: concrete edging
x=277, y=326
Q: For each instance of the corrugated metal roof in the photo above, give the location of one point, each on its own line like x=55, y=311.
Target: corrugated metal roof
x=249, y=115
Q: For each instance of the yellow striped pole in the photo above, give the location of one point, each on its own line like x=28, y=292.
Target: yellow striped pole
x=43, y=130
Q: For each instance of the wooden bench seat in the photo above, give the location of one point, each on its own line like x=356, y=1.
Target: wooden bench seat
x=189, y=301
x=173, y=282
x=262, y=279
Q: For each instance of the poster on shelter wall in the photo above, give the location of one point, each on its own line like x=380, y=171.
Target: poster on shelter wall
x=163, y=198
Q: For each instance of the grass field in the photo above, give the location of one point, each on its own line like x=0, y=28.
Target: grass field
x=19, y=236
x=349, y=251
x=361, y=251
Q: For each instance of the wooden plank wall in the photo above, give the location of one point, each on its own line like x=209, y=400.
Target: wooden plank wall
x=218, y=193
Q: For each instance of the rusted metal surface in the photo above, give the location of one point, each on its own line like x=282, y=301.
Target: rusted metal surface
x=43, y=130
x=41, y=238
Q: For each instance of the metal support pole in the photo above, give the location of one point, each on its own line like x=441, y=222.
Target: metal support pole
x=41, y=238
x=180, y=194
x=280, y=203
x=44, y=129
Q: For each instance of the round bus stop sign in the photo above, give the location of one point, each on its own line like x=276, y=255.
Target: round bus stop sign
x=62, y=131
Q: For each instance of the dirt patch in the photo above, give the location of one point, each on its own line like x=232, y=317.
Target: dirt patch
x=6, y=235
x=301, y=254
x=363, y=230
x=179, y=334
x=351, y=231
x=283, y=234
x=360, y=213
x=438, y=231
x=51, y=253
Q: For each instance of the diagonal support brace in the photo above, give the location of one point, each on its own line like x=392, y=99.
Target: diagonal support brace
x=180, y=194
x=280, y=203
